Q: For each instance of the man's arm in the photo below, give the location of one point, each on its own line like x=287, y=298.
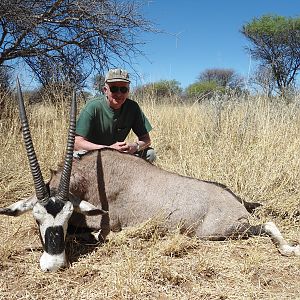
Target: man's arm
x=82, y=144
x=144, y=141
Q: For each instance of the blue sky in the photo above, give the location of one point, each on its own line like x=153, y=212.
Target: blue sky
x=202, y=35
x=199, y=35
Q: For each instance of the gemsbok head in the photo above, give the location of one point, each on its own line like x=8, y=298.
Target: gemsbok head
x=52, y=207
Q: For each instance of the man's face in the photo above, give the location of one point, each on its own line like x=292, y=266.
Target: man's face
x=116, y=93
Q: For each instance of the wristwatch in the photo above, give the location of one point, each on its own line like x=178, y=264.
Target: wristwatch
x=137, y=147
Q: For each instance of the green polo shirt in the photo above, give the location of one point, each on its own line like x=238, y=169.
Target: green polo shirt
x=100, y=124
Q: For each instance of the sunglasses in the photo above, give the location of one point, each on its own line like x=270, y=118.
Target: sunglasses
x=122, y=89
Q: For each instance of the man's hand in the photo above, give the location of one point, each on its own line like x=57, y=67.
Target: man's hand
x=120, y=146
x=125, y=147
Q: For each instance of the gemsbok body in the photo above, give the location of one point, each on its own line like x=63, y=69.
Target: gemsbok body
x=106, y=190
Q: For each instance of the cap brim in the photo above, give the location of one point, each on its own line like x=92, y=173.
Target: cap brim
x=117, y=80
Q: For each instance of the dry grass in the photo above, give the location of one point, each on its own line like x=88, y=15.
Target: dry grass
x=251, y=146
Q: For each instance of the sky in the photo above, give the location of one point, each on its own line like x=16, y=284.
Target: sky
x=200, y=35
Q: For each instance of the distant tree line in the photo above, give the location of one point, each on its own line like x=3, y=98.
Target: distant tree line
x=209, y=82
x=275, y=46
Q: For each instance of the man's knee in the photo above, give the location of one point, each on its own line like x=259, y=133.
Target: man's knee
x=147, y=154
x=150, y=155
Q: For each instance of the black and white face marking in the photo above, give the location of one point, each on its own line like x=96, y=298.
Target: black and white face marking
x=52, y=220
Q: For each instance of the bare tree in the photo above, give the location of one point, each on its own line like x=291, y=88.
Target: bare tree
x=49, y=70
x=101, y=33
x=98, y=82
x=226, y=78
x=264, y=79
x=5, y=78
x=5, y=87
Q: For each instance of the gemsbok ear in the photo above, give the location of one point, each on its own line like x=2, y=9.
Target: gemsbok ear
x=89, y=209
x=18, y=208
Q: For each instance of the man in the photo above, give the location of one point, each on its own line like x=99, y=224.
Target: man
x=106, y=121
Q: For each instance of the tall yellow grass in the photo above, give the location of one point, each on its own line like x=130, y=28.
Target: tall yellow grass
x=250, y=145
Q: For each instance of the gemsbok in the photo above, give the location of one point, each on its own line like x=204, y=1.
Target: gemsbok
x=106, y=190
